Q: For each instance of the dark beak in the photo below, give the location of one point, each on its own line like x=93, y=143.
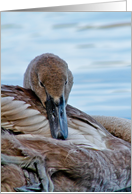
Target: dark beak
x=57, y=117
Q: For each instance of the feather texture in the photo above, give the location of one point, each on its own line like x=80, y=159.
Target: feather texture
x=90, y=159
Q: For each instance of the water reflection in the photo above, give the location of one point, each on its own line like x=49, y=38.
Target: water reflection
x=96, y=46
x=88, y=27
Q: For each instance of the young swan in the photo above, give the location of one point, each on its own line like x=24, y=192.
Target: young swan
x=51, y=80
x=91, y=159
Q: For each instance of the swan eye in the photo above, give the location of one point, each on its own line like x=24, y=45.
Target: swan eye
x=65, y=82
x=41, y=84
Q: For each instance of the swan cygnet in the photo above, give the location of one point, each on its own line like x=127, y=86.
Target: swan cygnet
x=90, y=159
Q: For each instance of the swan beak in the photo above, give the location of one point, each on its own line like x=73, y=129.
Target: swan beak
x=57, y=117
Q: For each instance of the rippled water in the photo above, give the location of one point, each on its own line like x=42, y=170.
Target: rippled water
x=96, y=46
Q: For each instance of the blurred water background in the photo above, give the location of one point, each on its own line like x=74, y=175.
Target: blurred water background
x=96, y=46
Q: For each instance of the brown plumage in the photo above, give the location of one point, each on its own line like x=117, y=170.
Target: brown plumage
x=83, y=169
x=119, y=127
x=89, y=159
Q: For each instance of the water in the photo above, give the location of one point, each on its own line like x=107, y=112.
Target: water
x=96, y=46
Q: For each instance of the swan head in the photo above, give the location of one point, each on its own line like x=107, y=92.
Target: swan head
x=49, y=77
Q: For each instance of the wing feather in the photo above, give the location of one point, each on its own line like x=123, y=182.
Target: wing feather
x=21, y=111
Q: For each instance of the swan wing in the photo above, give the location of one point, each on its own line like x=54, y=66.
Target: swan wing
x=22, y=111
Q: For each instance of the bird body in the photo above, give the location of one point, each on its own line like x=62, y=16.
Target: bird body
x=71, y=167
x=68, y=145
x=24, y=113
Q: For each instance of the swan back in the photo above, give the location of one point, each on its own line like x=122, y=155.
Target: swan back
x=22, y=111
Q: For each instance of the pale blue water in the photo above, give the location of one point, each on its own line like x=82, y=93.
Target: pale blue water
x=96, y=46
